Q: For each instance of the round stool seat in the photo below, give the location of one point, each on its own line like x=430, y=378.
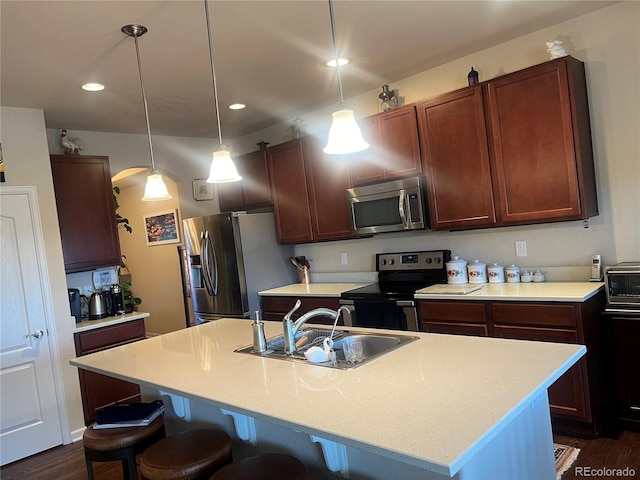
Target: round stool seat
x=263, y=467
x=187, y=455
x=111, y=444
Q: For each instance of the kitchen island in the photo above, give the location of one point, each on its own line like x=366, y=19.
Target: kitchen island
x=440, y=407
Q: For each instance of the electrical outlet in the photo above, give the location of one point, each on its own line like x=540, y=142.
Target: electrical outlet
x=344, y=259
x=521, y=248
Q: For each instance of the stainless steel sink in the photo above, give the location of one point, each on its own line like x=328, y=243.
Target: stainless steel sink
x=374, y=345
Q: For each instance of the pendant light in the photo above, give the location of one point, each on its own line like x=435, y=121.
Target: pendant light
x=344, y=135
x=155, y=188
x=222, y=170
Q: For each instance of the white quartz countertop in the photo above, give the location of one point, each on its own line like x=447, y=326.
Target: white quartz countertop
x=432, y=403
x=311, y=289
x=85, y=325
x=544, y=291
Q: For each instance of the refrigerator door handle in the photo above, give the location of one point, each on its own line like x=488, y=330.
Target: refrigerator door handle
x=204, y=263
x=213, y=281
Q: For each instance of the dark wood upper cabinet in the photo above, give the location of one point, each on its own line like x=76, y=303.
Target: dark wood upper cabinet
x=254, y=188
x=394, y=147
x=290, y=193
x=367, y=166
x=511, y=151
x=541, y=144
x=456, y=160
x=255, y=179
x=328, y=178
x=400, y=142
x=86, y=214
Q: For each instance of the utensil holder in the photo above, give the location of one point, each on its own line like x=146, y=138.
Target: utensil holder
x=304, y=275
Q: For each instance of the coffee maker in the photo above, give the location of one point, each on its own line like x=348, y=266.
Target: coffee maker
x=117, y=300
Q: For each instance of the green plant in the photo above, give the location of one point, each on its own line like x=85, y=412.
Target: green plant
x=122, y=221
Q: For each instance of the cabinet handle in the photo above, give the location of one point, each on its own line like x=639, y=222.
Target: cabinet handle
x=36, y=334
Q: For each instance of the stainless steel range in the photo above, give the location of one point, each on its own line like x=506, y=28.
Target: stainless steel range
x=389, y=303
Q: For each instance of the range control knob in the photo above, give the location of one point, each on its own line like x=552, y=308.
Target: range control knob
x=428, y=260
x=391, y=261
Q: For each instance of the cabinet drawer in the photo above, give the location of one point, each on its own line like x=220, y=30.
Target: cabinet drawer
x=472, y=329
x=459, y=312
x=284, y=304
x=107, y=337
x=552, y=315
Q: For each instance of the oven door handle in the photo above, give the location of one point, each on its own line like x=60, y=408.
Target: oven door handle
x=405, y=303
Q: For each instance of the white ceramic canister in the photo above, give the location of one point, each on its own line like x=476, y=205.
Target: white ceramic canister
x=525, y=277
x=496, y=273
x=513, y=274
x=477, y=272
x=456, y=270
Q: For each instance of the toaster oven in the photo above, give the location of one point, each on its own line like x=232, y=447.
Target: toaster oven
x=623, y=286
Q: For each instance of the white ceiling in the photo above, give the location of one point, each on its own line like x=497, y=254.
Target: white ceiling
x=269, y=55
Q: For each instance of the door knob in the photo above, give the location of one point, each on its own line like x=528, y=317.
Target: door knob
x=36, y=334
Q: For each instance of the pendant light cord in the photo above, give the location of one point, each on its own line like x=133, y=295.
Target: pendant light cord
x=144, y=100
x=213, y=71
x=335, y=49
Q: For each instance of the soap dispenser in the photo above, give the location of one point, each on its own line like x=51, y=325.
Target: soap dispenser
x=259, y=338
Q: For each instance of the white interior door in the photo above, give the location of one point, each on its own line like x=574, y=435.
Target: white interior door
x=29, y=420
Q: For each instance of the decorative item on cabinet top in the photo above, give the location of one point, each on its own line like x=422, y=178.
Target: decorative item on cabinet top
x=388, y=99
x=202, y=190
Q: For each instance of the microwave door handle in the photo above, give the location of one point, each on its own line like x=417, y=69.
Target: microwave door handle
x=401, y=209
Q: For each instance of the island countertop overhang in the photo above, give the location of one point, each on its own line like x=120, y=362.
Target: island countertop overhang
x=431, y=403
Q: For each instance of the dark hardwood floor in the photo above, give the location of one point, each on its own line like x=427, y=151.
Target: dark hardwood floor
x=67, y=461
x=604, y=453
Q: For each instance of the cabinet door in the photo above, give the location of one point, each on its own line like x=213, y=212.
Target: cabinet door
x=328, y=178
x=255, y=179
x=625, y=338
x=368, y=166
x=568, y=395
x=230, y=197
x=456, y=160
x=86, y=214
x=400, y=143
x=536, y=145
x=290, y=194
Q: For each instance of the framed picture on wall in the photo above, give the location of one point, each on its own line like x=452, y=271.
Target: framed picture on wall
x=162, y=227
x=202, y=190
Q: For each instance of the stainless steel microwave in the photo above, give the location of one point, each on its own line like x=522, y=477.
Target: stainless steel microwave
x=390, y=206
x=623, y=285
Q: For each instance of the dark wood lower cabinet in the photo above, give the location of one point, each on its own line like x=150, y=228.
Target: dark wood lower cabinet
x=577, y=398
x=99, y=391
x=623, y=353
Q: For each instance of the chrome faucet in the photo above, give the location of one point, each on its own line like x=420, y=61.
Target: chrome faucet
x=291, y=328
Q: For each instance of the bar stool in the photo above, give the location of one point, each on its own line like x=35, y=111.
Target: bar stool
x=191, y=455
x=112, y=444
x=263, y=467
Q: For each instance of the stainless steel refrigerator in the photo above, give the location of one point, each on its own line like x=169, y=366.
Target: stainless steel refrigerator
x=226, y=260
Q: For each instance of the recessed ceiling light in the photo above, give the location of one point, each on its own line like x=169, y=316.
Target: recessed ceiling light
x=237, y=106
x=341, y=61
x=93, y=87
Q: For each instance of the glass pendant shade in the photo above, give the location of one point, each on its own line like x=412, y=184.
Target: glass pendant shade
x=223, y=170
x=155, y=189
x=345, y=135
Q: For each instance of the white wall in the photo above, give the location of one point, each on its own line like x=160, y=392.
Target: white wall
x=26, y=158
